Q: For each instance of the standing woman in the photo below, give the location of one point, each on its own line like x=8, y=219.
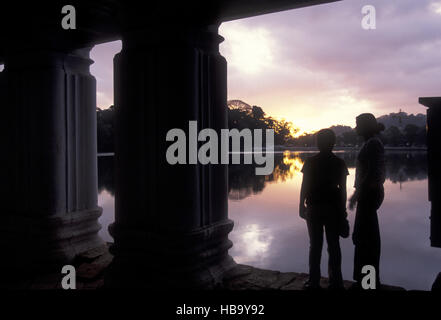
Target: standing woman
x=368, y=195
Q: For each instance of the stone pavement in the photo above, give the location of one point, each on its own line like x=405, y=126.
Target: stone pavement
x=91, y=265
x=245, y=277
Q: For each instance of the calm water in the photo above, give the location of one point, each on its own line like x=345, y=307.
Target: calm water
x=269, y=234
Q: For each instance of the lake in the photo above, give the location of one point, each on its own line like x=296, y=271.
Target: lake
x=269, y=234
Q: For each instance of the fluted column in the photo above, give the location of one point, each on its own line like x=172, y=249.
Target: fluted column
x=49, y=207
x=434, y=161
x=171, y=226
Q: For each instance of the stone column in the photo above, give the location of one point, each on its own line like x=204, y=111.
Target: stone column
x=434, y=161
x=171, y=226
x=48, y=139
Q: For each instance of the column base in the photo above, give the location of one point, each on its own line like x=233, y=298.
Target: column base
x=42, y=244
x=170, y=260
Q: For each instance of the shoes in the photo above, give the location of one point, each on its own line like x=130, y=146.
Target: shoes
x=355, y=287
x=308, y=285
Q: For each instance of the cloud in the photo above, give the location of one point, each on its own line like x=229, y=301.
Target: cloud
x=325, y=68
x=251, y=50
x=436, y=7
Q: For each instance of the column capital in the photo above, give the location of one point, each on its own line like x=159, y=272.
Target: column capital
x=430, y=102
x=77, y=60
x=172, y=37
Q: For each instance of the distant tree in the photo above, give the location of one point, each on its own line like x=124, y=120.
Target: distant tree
x=340, y=129
x=305, y=140
x=401, y=119
x=410, y=133
x=105, y=129
x=394, y=136
x=349, y=138
x=283, y=132
x=258, y=113
x=421, y=137
x=242, y=116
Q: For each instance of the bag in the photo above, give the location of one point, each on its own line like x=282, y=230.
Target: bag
x=344, y=229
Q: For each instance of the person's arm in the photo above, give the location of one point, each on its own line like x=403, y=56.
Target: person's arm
x=302, y=207
x=354, y=198
x=343, y=192
x=304, y=190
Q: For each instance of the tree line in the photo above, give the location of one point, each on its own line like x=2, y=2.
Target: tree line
x=399, y=133
x=240, y=118
x=410, y=135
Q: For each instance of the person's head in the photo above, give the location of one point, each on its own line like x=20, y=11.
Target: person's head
x=367, y=125
x=325, y=139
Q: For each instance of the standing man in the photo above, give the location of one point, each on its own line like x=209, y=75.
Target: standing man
x=369, y=195
x=323, y=205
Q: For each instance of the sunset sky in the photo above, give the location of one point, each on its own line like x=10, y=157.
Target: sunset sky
x=317, y=66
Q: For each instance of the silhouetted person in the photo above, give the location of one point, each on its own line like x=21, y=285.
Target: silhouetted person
x=368, y=195
x=324, y=191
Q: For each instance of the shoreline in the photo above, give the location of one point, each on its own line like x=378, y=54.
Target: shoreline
x=281, y=149
x=350, y=149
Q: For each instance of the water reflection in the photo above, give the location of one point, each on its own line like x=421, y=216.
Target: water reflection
x=400, y=167
x=105, y=175
x=106, y=193
x=255, y=242
x=269, y=234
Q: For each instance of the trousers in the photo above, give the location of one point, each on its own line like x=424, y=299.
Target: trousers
x=366, y=235
x=324, y=219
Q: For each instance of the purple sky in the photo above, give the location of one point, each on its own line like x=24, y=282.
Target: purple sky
x=317, y=66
